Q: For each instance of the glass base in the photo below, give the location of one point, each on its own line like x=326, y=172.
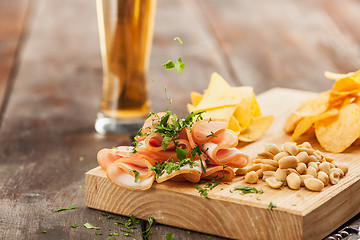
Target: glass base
x=106, y=125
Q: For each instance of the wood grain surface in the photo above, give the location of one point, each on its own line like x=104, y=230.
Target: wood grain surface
x=50, y=86
x=298, y=214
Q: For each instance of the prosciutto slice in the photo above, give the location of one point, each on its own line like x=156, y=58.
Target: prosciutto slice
x=225, y=174
x=106, y=157
x=122, y=173
x=187, y=172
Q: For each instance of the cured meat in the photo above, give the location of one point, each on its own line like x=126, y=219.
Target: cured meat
x=193, y=151
x=190, y=173
x=122, y=173
x=106, y=157
x=220, y=173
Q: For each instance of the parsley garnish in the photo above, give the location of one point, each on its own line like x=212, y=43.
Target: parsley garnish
x=137, y=174
x=44, y=231
x=247, y=189
x=5, y=228
x=113, y=234
x=146, y=234
x=170, y=131
x=81, y=158
x=177, y=38
x=90, y=226
x=96, y=233
x=169, y=65
x=271, y=206
x=167, y=98
x=211, y=135
x=178, y=65
x=69, y=208
x=74, y=226
x=202, y=191
x=169, y=236
x=171, y=166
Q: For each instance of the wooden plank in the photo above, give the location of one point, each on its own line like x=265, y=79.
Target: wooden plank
x=287, y=44
x=49, y=125
x=179, y=204
x=13, y=14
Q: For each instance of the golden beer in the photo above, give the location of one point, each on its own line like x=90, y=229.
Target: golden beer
x=126, y=32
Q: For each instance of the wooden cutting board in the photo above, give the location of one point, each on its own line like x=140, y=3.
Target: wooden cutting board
x=299, y=214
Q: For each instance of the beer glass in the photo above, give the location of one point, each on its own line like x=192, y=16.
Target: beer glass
x=126, y=32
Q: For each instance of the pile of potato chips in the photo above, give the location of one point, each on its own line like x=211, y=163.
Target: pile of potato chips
x=237, y=105
x=334, y=114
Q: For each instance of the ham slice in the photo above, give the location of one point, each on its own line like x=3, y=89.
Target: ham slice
x=106, y=157
x=220, y=173
x=187, y=172
x=201, y=130
x=121, y=173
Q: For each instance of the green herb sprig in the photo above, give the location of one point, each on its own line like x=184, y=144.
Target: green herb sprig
x=247, y=189
x=69, y=208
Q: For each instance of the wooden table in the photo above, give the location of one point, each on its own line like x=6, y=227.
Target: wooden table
x=50, y=86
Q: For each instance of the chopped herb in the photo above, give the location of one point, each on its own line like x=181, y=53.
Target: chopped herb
x=230, y=191
x=209, y=237
x=112, y=238
x=152, y=80
x=178, y=65
x=209, y=120
x=167, y=98
x=258, y=199
x=57, y=171
x=44, y=231
x=271, y=206
x=97, y=233
x=80, y=186
x=90, y=226
x=127, y=231
x=202, y=191
x=211, y=135
x=113, y=234
x=146, y=234
x=188, y=232
x=69, y=208
x=81, y=158
x=137, y=174
x=169, y=65
x=169, y=236
x=74, y=226
x=5, y=228
x=177, y=38
x=247, y=189
x=171, y=166
x=125, y=234
x=170, y=129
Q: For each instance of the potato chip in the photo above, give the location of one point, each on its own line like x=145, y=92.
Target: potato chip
x=315, y=106
x=292, y=122
x=335, y=134
x=349, y=84
x=255, y=109
x=234, y=125
x=214, y=96
x=237, y=105
x=306, y=123
x=219, y=113
x=195, y=98
x=256, y=129
x=244, y=108
x=336, y=76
